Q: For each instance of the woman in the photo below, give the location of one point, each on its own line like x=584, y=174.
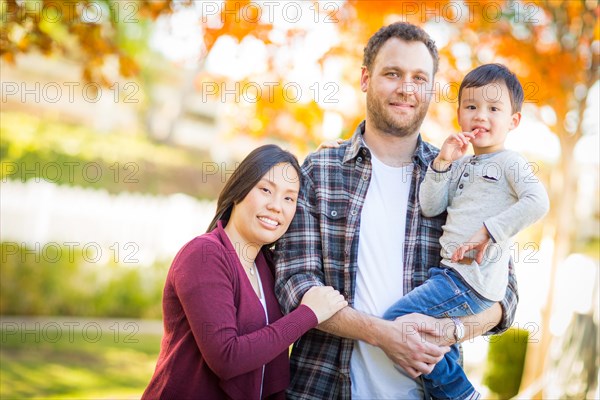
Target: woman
x=224, y=335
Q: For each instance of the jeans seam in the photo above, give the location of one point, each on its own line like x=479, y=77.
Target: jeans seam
x=451, y=282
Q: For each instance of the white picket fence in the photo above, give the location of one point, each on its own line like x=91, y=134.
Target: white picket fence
x=129, y=228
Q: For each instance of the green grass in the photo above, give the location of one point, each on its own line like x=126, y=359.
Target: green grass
x=75, y=368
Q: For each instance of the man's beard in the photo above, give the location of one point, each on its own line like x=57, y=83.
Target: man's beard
x=395, y=125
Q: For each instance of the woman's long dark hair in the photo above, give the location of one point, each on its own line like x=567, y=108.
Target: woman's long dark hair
x=246, y=176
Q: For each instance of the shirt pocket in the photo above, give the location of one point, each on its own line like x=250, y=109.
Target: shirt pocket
x=335, y=210
x=491, y=173
x=334, y=214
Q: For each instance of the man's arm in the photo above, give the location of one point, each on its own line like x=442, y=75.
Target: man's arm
x=299, y=258
x=509, y=303
x=492, y=321
x=401, y=340
x=474, y=325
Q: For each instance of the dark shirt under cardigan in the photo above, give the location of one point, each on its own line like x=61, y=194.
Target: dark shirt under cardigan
x=216, y=339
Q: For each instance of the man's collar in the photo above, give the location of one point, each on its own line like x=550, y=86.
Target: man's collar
x=358, y=145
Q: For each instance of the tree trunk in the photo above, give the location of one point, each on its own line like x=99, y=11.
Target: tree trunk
x=559, y=228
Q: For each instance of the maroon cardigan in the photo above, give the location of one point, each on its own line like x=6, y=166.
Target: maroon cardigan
x=215, y=335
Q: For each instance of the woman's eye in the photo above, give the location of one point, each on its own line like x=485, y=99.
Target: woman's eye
x=265, y=190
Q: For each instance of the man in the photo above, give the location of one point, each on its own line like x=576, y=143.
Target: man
x=367, y=188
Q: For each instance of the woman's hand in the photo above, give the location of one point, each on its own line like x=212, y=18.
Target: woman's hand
x=324, y=301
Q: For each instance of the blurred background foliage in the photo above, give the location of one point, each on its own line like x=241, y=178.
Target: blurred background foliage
x=32, y=147
x=171, y=65
x=505, y=363
x=60, y=281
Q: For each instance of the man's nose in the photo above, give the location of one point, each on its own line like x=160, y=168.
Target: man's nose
x=406, y=86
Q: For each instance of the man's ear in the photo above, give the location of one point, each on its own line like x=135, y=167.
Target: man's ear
x=364, y=79
x=516, y=120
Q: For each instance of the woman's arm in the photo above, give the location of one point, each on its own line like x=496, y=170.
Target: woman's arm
x=204, y=283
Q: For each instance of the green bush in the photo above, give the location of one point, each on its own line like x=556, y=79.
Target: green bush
x=505, y=362
x=35, y=284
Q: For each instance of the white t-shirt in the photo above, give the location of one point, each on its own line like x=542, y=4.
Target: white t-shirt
x=379, y=280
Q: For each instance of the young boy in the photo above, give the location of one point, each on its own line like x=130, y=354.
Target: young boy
x=489, y=197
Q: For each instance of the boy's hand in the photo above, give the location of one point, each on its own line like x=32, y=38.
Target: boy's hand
x=330, y=144
x=479, y=241
x=455, y=146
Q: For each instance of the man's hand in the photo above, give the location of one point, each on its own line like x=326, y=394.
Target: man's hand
x=478, y=242
x=402, y=342
x=330, y=144
x=455, y=146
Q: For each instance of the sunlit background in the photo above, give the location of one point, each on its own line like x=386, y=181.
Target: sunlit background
x=121, y=121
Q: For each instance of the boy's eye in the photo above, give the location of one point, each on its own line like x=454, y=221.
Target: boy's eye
x=470, y=107
x=495, y=109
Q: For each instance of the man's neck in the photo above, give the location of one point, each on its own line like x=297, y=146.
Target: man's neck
x=391, y=150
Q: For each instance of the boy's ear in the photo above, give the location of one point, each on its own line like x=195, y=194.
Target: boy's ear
x=515, y=120
x=364, y=79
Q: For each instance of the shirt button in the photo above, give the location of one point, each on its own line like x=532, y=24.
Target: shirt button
x=333, y=213
x=359, y=159
x=365, y=177
x=473, y=162
x=354, y=212
x=461, y=186
x=466, y=174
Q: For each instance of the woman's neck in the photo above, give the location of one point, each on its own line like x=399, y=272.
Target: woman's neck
x=245, y=250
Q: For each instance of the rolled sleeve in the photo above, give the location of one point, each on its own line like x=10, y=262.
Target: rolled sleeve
x=299, y=264
x=509, y=303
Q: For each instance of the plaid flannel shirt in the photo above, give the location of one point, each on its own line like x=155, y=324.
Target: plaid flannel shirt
x=321, y=248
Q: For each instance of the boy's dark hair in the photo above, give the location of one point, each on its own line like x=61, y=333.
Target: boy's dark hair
x=401, y=30
x=490, y=73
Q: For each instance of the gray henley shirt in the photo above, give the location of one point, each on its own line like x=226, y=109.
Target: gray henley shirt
x=499, y=191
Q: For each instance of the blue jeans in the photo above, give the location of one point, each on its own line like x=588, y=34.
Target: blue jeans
x=443, y=295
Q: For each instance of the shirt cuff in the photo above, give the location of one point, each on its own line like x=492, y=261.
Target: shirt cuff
x=439, y=172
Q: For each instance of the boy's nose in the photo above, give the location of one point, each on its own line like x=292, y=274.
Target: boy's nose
x=480, y=116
